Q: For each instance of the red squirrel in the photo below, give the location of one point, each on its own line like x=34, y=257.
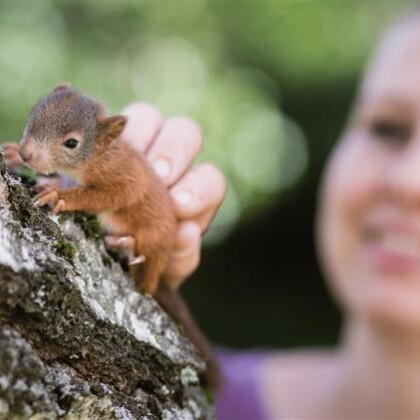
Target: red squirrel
x=70, y=133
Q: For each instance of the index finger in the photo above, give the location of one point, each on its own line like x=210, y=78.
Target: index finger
x=143, y=123
x=178, y=142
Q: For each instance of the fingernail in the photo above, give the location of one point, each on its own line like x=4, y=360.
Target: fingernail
x=184, y=198
x=37, y=203
x=162, y=167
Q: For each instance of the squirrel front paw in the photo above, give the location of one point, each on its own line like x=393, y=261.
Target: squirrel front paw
x=11, y=153
x=50, y=195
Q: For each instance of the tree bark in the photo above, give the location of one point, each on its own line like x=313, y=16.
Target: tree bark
x=76, y=340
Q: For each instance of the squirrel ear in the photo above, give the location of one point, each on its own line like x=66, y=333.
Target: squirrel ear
x=112, y=127
x=61, y=87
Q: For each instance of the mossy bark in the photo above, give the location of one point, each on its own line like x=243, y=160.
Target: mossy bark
x=76, y=340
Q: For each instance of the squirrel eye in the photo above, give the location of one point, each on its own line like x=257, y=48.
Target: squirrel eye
x=71, y=143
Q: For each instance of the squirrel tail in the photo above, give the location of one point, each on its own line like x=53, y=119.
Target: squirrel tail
x=174, y=304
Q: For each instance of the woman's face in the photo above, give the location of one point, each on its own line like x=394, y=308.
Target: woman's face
x=369, y=215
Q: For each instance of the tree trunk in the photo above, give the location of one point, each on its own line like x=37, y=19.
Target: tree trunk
x=76, y=340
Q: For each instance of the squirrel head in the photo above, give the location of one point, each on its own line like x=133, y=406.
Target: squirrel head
x=65, y=129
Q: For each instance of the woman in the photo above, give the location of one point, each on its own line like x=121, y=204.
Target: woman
x=368, y=233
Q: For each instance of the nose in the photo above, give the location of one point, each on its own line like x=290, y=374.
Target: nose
x=25, y=151
x=26, y=157
x=402, y=175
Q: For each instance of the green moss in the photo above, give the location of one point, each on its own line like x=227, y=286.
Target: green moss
x=66, y=249
x=90, y=225
x=97, y=389
x=106, y=260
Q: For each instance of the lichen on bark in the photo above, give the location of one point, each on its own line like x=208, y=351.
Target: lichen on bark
x=82, y=343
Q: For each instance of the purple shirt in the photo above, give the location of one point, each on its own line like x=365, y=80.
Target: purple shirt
x=239, y=399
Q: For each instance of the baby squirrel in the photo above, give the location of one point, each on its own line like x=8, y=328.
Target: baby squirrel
x=69, y=133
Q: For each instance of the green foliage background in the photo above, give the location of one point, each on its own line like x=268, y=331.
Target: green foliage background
x=269, y=82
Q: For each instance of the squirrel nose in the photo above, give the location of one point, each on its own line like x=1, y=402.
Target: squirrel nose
x=26, y=157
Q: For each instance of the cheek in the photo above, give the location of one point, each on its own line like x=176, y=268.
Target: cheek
x=65, y=157
x=350, y=188
x=354, y=184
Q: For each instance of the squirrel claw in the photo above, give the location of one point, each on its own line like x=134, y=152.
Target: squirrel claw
x=138, y=260
x=59, y=206
x=123, y=242
x=44, y=192
x=47, y=196
x=128, y=245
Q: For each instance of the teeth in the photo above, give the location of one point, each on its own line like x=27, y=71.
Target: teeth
x=402, y=244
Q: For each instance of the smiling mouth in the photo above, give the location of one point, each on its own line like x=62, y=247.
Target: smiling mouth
x=402, y=243
x=393, y=250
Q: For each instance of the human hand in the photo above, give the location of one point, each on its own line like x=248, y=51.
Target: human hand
x=171, y=146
